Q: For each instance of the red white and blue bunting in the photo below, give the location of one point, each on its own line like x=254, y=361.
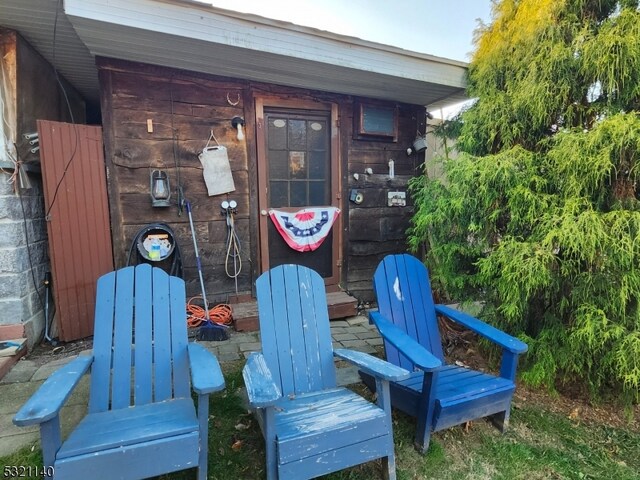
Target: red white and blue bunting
x=306, y=229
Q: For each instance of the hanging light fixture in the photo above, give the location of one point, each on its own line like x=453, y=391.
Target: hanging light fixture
x=238, y=123
x=159, y=186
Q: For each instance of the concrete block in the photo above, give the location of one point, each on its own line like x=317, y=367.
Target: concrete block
x=347, y=376
x=11, y=311
x=12, y=443
x=21, y=372
x=338, y=323
x=11, y=234
x=228, y=356
x=340, y=337
x=33, y=328
x=358, y=320
x=340, y=331
x=11, y=285
x=376, y=342
x=354, y=344
x=359, y=329
x=13, y=260
x=250, y=347
x=368, y=335
x=364, y=349
x=80, y=395
x=14, y=395
x=6, y=188
x=227, y=348
x=44, y=372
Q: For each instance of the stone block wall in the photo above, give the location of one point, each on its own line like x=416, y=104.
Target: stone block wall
x=22, y=298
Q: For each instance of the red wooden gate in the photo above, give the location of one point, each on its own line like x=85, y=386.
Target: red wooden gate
x=76, y=204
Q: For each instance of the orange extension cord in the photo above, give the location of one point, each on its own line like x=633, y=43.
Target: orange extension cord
x=220, y=314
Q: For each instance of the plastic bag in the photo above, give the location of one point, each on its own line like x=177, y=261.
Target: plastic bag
x=217, y=171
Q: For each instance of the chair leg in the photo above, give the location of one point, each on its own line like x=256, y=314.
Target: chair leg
x=203, y=424
x=425, y=412
x=389, y=467
x=51, y=440
x=384, y=402
x=270, y=443
x=501, y=420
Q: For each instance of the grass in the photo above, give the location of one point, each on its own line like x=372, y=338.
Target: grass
x=539, y=444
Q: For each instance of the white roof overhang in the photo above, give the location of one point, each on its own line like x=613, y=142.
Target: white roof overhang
x=194, y=36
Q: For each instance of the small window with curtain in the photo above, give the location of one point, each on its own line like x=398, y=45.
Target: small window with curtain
x=375, y=121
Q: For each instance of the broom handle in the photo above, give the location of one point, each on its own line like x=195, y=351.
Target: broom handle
x=195, y=246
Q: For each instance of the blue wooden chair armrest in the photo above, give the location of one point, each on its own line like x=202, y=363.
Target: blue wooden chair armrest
x=261, y=388
x=372, y=365
x=206, y=376
x=498, y=337
x=416, y=353
x=47, y=401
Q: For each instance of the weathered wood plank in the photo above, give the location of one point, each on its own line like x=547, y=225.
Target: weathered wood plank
x=129, y=426
x=122, y=339
x=102, y=352
x=133, y=124
x=150, y=152
x=138, y=210
x=136, y=87
x=143, y=338
x=133, y=181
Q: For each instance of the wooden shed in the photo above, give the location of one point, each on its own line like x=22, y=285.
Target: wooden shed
x=327, y=121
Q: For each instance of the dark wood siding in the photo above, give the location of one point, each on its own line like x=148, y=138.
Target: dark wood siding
x=192, y=104
x=183, y=110
x=376, y=230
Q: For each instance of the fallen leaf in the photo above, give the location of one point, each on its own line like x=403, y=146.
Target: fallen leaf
x=237, y=445
x=241, y=426
x=574, y=413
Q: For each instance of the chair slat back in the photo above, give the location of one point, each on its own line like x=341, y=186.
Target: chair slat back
x=403, y=291
x=294, y=328
x=140, y=339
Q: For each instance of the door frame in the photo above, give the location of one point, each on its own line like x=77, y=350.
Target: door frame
x=267, y=101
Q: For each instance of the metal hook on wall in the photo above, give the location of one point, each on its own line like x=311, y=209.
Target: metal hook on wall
x=233, y=104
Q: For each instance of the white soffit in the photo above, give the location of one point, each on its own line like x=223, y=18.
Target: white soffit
x=194, y=36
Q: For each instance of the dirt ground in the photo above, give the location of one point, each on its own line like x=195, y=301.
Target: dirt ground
x=45, y=352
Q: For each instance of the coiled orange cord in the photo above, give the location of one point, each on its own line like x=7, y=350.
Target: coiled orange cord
x=220, y=314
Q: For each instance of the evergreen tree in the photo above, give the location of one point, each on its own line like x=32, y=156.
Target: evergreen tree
x=539, y=214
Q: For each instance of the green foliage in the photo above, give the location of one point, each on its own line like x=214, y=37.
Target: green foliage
x=538, y=215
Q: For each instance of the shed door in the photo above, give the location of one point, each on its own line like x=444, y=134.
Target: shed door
x=75, y=194
x=297, y=169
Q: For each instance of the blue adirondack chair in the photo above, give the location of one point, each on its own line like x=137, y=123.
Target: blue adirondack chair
x=310, y=426
x=141, y=419
x=437, y=394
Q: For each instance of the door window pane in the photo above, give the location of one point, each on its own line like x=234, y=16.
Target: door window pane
x=277, y=134
x=318, y=165
x=278, y=168
x=279, y=193
x=297, y=165
x=317, y=135
x=318, y=194
x=298, y=194
x=297, y=134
